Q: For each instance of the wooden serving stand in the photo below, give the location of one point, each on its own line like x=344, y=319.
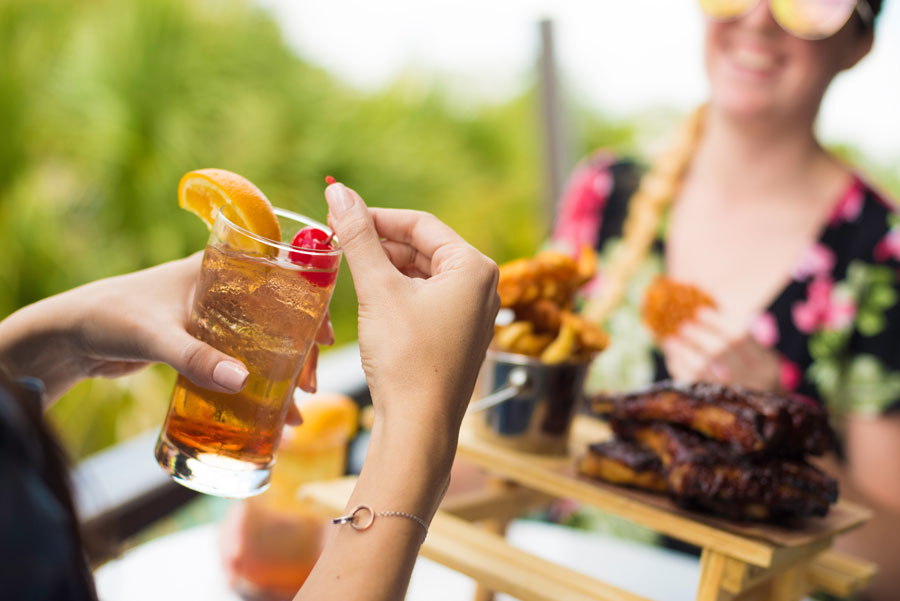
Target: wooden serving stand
x=738, y=562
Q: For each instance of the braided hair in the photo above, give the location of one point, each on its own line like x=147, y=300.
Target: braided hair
x=654, y=194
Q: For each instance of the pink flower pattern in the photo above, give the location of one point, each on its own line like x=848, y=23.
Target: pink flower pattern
x=888, y=247
x=790, y=375
x=582, y=207
x=850, y=206
x=822, y=308
x=818, y=261
x=764, y=330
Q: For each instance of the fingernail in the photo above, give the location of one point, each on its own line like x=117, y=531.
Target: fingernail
x=339, y=199
x=231, y=376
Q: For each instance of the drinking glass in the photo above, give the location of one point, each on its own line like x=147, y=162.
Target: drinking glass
x=260, y=301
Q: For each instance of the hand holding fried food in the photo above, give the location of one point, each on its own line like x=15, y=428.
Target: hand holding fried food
x=668, y=304
x=540, y=292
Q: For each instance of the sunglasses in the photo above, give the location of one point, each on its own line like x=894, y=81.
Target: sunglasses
x=806, y=19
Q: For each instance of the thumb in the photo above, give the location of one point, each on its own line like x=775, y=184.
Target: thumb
x=202, y=364
x=349, y=217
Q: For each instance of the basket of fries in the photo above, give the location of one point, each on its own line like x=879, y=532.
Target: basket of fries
x=531, y=383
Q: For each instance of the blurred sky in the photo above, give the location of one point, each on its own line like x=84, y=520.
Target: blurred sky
x=618, y=56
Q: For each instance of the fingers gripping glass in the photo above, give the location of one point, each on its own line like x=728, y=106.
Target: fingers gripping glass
x=806, y=19
x=260, y=301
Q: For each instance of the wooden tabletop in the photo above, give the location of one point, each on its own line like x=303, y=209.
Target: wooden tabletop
x=758, y=544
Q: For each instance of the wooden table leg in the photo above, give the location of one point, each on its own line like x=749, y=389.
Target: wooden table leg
x=712, y=572
x=497, y=525
x=791, y=584
x=723, y=578
x=483, y=593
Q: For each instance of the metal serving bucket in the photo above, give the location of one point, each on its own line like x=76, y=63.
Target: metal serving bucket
x=525, y=404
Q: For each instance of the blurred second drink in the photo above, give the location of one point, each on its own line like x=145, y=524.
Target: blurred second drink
x=272, y=541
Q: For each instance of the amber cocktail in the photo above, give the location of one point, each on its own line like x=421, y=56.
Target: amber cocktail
x=260, y=301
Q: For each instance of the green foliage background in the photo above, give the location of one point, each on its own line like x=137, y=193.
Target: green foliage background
x=105, y=104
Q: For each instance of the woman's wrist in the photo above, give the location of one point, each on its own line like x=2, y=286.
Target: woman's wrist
x=415, y=442
x=37, y=341
x=410, y=464
x=423, y=431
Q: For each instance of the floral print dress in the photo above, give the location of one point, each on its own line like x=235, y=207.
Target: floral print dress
x=835, y=325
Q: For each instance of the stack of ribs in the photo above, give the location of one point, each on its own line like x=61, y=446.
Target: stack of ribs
x=725, y=450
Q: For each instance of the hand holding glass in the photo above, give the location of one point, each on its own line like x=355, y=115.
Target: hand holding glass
x=260, y=301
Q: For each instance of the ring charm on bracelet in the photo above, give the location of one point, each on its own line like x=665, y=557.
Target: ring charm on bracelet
x=362, y=517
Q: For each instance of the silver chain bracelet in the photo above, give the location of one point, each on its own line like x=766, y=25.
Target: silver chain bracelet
x=358, y=521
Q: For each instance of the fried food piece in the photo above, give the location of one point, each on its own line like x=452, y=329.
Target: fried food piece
x=517, y=283
x=623, y=462
x=751, y=421
x=709, y=474
x=575, y=342
x=556, y=265
x=531, y=344
x=564, y=345
x=591, y=338
x=545, y=314
x=669, y=304
x=550, y=275
x=519, y=337
x=505, y=337
x=524, y=281
x=540, y=290
x=548, y=317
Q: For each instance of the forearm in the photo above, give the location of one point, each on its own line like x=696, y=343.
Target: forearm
x=427, y=303
x=872, y=447
x=35, y=341
x=401, y=473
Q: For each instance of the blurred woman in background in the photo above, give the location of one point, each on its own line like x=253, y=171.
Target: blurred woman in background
x=800, y=254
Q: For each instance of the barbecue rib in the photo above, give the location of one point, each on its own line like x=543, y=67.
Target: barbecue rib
x=708, y=474
x=752, y=421
x=623, y=462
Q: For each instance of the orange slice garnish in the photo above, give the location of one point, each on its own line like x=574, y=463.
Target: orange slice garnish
x=205, y=191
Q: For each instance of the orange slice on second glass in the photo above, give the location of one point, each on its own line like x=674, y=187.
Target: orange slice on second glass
x=205, y=191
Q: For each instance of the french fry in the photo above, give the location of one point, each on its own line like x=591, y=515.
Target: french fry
x=563, y=346
x=590, y=337
x=506, y=338
x=532, y=344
